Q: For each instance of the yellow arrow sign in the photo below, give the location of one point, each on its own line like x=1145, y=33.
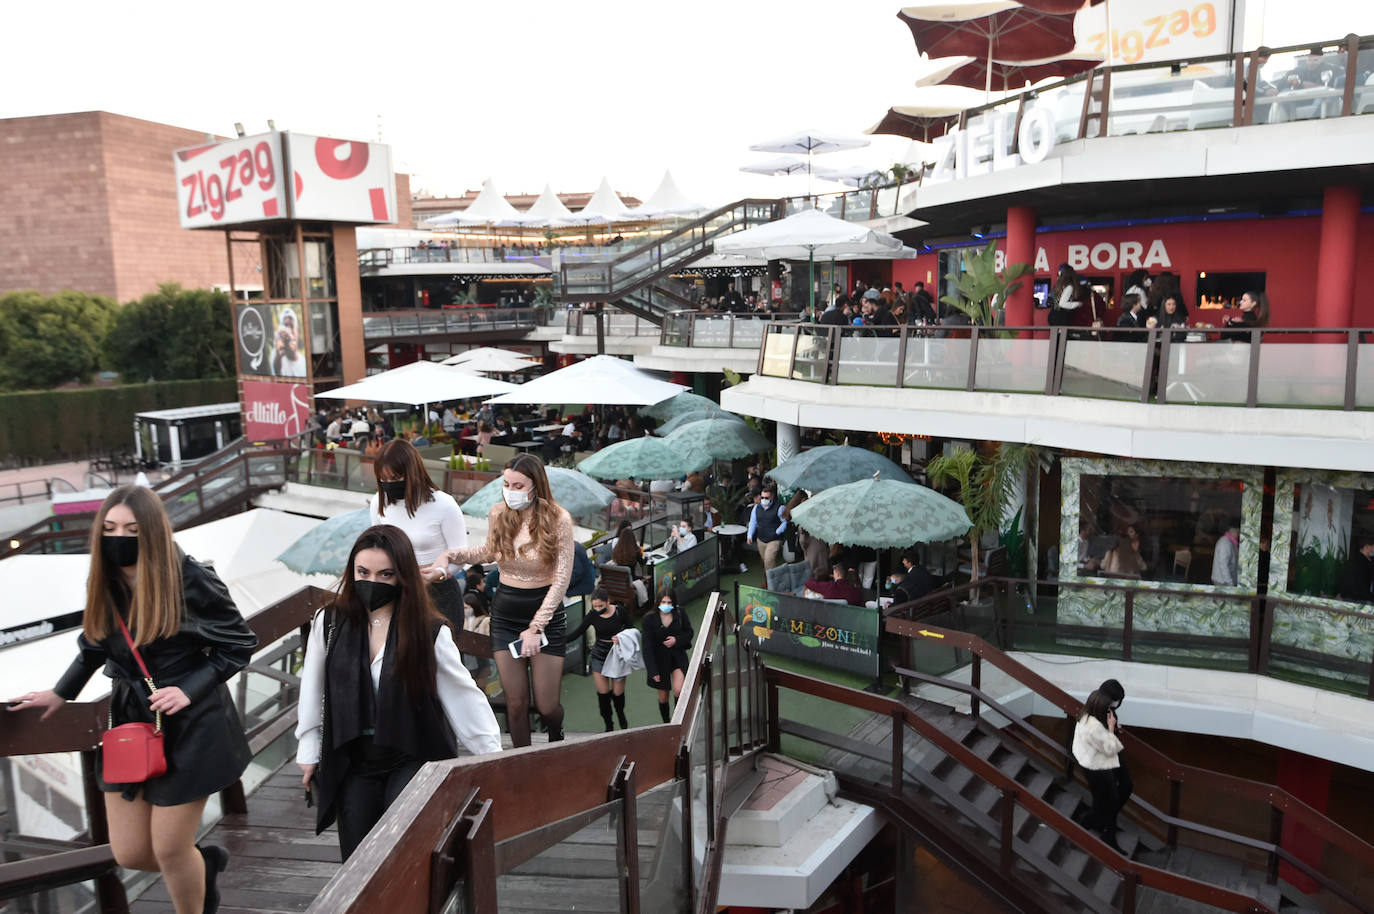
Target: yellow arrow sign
x=929, y=634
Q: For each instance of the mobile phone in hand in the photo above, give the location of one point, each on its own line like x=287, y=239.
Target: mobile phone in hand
x=515, y=645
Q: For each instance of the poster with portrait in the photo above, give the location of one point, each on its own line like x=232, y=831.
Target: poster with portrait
x=270, y=341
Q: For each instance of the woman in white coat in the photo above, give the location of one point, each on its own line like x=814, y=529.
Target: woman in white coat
x=1096, y=748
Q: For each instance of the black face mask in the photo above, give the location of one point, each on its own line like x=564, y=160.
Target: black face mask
x=120, y=551
x=394, y=490
x=375, y=594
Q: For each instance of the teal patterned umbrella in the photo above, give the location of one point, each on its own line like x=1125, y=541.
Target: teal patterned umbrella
x=833, y=465
x=643, y=458
x=324, y=549
x=695, y=415
x=683, y=402
x=882, y=514
x=577, y=492
x=722, y=439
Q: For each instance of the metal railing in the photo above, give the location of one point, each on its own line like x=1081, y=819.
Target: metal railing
x=461, y=826
x=1312, y=368
x=379, y=325
x=1250, y=829
x=709, y=329
x=265, y=697
x=611, y=280
x=615, y=323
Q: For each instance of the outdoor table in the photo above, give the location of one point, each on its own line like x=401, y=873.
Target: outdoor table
x=730, y=534
x=544, y=429
x=527, y=445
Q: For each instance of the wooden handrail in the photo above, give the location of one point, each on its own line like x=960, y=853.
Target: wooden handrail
x=1253, y=791
x=1085, y=841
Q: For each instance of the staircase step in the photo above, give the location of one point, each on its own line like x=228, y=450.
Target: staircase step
x=1107, y=884
x=1038, y=783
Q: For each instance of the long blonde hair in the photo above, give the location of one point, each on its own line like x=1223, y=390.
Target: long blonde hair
x=544, y=516
x=155, y=607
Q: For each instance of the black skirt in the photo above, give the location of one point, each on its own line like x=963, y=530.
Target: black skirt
x=512, y=608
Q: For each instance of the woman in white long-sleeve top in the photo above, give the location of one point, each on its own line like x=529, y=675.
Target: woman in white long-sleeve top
x=383, y=690
x=1096, y=748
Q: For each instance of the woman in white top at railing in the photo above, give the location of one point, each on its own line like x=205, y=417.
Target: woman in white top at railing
x=407, y=498
x=1096, y=749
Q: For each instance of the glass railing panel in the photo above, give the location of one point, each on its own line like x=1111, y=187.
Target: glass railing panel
x=1299, y=86
x=858, y=206
x=1017, y=365
x=868, y=359
x=712, y=332
x=1106, y=369
x=936, y=362
x=1211, y=373
x=1162, y=100
x=1364, y=377
x=777, y=351
x=575, y=872
x=886, y=203
x=813, y=355
x=1314, y=642
x=1065, y=104
x=748, y=332
x=1301, y=374
x=664, y=884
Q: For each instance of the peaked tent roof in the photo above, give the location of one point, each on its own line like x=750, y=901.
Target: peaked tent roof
x=489, y=208
x=547, y=210
x=667, y=200
x=599, y=379
x=604, y=206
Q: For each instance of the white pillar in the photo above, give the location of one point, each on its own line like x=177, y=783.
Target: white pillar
x=174, y=432
x=219, y=434
x=789, y=441
x=152, y=440
x=138, y=440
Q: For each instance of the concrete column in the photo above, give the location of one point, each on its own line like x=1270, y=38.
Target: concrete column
x=348, y=287
x=219, y=434
x=789, y=441
x=1335, y=300
x=174, y=432
x=1021, y=249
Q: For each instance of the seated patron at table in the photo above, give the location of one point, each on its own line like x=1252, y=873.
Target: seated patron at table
x=710, y=517
x=680, y=538
x=913, y=581
x=838, y=587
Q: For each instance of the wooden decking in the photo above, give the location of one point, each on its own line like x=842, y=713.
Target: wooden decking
x=277, y=863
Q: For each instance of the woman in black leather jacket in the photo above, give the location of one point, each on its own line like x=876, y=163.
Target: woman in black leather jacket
x=192, y=638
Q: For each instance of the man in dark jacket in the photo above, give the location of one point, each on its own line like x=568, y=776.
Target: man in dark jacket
x=833, y=314
x=732, y=301
x=913, y=582
x=1358, y=581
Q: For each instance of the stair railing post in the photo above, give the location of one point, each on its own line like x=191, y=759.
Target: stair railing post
x=1175, y=801
x=1130, y=881
x=1128, y=626
x=109, y=890
x=774, y=732
x=898, y=752
x=1271, y=875
x=976, y=680
x=1008, y=815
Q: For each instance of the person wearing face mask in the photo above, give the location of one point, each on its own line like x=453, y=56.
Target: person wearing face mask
x=667, y=646
x=383, y=690
x=681, y=538
x=767, y=526
x=530, y=538
x=407, y=498
x=913, y=581
x=608, y=621
x=143, y=591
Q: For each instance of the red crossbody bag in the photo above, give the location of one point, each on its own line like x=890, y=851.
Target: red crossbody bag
x=133, y=753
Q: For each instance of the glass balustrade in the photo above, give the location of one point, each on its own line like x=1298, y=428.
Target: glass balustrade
x=1307, y=374
x=867, y=359
x=1169, y=98
x=813, y=355
x=777, y=351
x=1016, y=365
x=1104, y=368
x=1207, y=373
x=936, y=362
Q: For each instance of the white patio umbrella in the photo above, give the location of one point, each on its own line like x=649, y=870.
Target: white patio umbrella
x=807, y=234
x=782, y=165
x=419, y=383
x=854, y=176
x=492, y=362
x=809, y=143
x=599, y=379
x=485, y=350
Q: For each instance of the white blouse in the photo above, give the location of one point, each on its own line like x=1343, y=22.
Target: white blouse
x=466, y=706
x=438, y=524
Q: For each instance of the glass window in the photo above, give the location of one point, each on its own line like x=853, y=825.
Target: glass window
x=1153, y=528
x=1223, y=290
x=1330, y=526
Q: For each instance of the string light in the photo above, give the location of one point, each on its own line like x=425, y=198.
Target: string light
x=900, y=437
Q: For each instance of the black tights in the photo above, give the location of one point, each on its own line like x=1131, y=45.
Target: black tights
x=547, y=672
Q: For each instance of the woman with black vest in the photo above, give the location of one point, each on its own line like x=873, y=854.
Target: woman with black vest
x=383, y=689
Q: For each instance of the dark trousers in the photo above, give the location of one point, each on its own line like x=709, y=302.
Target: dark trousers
x=369, y=788
x=1107, y=799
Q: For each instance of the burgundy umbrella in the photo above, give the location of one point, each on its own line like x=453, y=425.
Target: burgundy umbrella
x=1007, y=76
x=914, y=127
x=1017, y=33
x=1059, y=7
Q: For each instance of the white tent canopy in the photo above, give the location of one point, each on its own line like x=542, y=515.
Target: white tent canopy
x=667, y=200
x=484, y=351
x=547, y=210
x=808, y=233
x=489, y=208
x=418, y=383
x=600, y=379
x=604, y=206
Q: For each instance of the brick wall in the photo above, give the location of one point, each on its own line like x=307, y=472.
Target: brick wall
x=54, y=217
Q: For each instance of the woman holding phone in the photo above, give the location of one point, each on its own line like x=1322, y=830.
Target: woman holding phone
x=530, y=538
x=146, y=598
x=383, y=689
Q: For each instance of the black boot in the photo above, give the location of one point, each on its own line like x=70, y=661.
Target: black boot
x=603, y=701
x=663, y=711
x=619, y=701
x=1109, y=838
x=216, y=861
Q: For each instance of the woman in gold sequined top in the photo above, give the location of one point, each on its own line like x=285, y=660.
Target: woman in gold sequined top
x=530, y=538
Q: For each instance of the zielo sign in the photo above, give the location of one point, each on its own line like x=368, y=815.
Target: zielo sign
x=274, y=411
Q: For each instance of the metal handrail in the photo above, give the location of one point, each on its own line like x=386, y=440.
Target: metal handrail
x=1151, y=385
x=446, y=320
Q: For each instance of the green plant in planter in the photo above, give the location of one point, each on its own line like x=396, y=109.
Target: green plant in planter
x=980, y=285
x=987, y=486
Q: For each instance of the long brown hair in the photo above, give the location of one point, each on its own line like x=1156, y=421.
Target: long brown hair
x=400, y=457
x=414, y=617
x=626, y=550
x=544, y=516
x=155, y=606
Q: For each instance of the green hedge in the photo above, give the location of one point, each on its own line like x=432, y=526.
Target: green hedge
x=39, y=425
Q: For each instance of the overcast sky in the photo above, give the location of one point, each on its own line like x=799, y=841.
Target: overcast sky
x=522, y=92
